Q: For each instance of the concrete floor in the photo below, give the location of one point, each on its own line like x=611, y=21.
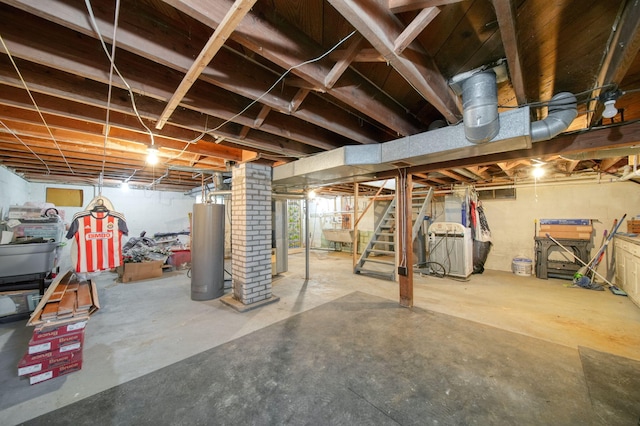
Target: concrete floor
x=145, y=326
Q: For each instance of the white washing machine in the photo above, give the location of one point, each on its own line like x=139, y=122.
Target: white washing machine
x=451, y=246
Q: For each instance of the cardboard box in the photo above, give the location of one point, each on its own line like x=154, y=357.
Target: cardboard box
x=66, y=368
x=41, y=333
x=566, y=235
x=582, y=222
x=42, y=361
x=66, y=343
x=566, y=228
x=633, y=226
x=140, y=271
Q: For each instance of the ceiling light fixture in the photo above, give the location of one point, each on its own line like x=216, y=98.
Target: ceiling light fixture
x=609, y=99
x=152, y=156
x=124, y=186
x=537, y=171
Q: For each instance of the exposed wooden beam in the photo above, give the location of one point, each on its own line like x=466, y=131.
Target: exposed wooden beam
x=621, y=52
x=454, y=176
x=607, y=163
x=75, y=58
x=381, y=28
x=364, y=55
x=414, y=29
x=298, y=99
x=571, y=165
x=343, y=63
x=507, y=22
x=432, y=178
x=261, y=116
x=159, y=46
x=288, y=45
x=229, y=23
x=397, y=6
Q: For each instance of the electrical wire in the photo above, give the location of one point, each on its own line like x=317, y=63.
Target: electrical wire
x=94, y=24
x=310, y=61
x=27, y=146
x=24, y=83
x=107, y=118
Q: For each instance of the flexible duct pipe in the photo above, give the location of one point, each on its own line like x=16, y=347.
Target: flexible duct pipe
x=563, y=109
x=480, y=107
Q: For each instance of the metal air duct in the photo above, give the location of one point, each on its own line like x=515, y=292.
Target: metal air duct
x=480, y=107
x=563, y=109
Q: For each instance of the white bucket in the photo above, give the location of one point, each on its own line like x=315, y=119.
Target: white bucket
x=522, y=266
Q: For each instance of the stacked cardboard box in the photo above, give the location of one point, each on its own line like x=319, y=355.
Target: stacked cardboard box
x=53, y=352
x=60, y=319
x=633, y=226
x=567, y=229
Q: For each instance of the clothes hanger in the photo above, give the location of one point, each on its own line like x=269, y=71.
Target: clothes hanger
x=99, y=206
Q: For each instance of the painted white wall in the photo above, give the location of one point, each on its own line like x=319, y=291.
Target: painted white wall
x=13, y=190
x=512, y=221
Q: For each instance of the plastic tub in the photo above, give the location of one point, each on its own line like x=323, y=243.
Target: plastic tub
x=25, y=259
x=522, y=266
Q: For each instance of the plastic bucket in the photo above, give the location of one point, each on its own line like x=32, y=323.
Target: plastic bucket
x=522, y=266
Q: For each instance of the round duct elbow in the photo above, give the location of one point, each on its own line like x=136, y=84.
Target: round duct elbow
x=480, y=107
x=563, y=109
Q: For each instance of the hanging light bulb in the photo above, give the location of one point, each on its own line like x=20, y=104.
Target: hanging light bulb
x=610, y=109
x=124, y=186
x=152, y=156
x=311, y=194
x=609, y=99
x=537, y=171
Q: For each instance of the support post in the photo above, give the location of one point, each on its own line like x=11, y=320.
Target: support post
x=404, y=231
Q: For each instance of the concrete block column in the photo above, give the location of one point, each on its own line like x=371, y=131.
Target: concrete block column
x=251, y=233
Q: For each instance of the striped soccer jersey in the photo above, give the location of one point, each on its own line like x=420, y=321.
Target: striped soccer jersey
x=99, y=239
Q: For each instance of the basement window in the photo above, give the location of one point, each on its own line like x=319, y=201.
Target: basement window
x=497, y=194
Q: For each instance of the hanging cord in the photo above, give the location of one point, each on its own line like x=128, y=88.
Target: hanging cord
x=27, y=146
x=24, y=83
x=94, y=24
x=107, y=118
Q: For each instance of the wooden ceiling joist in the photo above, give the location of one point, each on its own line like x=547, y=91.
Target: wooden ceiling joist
x=381, y=28
x=238, y=10
x=507, y=21
x=356, y=92
x=416, y=26
x=397, y=6
x=623, y=49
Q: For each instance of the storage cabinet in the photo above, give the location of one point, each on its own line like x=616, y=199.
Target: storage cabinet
x=627, y=263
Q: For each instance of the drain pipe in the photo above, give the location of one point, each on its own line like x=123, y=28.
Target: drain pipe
x=563, y=109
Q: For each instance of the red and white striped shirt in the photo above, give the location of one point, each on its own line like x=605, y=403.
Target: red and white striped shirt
x=99, y=239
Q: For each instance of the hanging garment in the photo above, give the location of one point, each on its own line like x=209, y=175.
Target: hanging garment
x=98, y=234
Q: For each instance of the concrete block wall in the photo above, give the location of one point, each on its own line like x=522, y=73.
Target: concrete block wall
x=251, y=233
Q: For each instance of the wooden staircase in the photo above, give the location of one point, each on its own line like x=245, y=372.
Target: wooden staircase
x=380, y=255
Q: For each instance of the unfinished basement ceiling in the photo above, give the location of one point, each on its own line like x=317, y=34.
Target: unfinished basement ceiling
x=282, y=80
